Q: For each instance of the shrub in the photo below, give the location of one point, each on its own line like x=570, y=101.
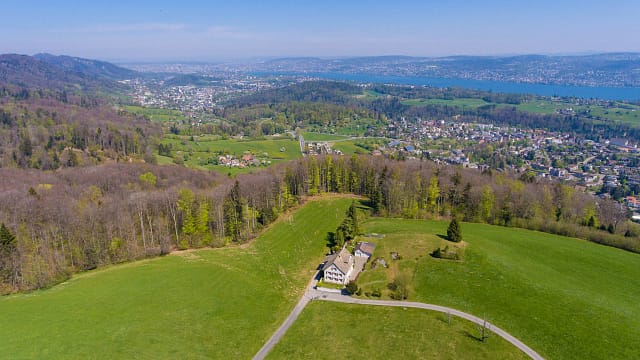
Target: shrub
x=352, y=287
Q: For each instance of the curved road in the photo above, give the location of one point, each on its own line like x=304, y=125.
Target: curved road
x=313, y=294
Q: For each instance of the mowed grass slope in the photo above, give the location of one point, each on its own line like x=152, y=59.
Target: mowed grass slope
x=222, y=303
x=566, y=298
x=327, y=330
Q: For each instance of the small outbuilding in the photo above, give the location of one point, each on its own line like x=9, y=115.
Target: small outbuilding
x=364, y=249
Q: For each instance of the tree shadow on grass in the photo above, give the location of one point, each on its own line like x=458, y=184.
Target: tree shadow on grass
x=331, y=239
x=443, y=237
x=471, y=336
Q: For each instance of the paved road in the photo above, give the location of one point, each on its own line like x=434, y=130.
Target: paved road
x=304, y=300
x=313, y=294
x=319, y=295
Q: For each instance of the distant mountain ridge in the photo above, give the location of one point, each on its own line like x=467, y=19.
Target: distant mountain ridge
x=607, y=69
x=47, y=71
x=89, y=67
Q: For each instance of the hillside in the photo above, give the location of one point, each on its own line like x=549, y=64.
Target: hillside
x=31, y=72
x=221, y=303
x=27, y=71
x=566, y=298
x=88, y=67
x=549, y=291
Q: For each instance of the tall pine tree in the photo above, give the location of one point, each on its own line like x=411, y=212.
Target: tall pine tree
x=453, y=231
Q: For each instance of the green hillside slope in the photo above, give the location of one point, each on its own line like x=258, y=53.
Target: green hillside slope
x=566, y=298
x=222, y=303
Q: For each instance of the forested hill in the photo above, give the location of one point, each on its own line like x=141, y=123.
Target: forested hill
x=53, y=73
x=53, y=116
x=88, y=67
x=339, y=93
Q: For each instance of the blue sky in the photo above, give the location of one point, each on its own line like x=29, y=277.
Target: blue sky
x=211, y=30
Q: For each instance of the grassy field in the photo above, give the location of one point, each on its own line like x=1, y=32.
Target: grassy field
x=312, y=136
x=373, y=332
x=349, y=147
x=200, y=152
x=155, y=114
x=617, y=111
x=462, y=102
x=222, y=303
x=566, y=298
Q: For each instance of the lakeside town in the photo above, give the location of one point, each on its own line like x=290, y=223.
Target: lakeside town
x=608, y=169
x=604, y=167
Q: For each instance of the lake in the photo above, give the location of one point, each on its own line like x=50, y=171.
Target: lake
x=608, y=93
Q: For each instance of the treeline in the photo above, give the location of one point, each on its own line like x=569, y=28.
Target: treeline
x=53, y=129
x=57, y=223
x=422, y=190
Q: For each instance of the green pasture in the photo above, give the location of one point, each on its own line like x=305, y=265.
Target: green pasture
x=328, y=330
x=564, y=297
x=220, y=303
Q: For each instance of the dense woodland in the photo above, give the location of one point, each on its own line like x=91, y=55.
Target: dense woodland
x=76, y=219
x=53, y=129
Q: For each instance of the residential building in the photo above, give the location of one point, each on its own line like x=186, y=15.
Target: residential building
x=338, y=267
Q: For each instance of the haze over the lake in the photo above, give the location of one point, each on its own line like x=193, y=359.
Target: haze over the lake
x=211, y=30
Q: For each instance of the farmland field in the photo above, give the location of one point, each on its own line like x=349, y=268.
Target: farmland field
x=155, y=114
x=221, y=303
x=313, y=136
x=616, y=111
x=551, y=292
x=461, y=102
x=203, y=152
x=374, y=332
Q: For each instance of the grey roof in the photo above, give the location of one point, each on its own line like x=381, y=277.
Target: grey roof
x=366, y=247
x=342, y=259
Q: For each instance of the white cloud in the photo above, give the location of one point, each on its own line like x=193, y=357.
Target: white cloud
x=226, y=32
x=126, y=28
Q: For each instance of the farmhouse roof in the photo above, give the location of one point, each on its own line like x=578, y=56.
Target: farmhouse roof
x=342, y=260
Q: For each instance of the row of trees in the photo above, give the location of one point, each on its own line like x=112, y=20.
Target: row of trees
x=347, y=230
x=60, y=222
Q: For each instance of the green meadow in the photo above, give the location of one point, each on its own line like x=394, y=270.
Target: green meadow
x=155, y=114
x=566, y=298
x=327, y=330
x=616, y=111
x=314, y=136
x=218, y=303
x=460, y=102
x=202, y=152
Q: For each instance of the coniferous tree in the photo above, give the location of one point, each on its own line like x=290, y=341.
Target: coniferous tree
x=352, y=215
x=7, y=239
x=453, y=231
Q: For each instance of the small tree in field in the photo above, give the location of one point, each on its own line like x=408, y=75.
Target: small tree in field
x=453, y=231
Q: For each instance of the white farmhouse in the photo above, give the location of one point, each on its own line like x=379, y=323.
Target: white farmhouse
x=338, y=267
